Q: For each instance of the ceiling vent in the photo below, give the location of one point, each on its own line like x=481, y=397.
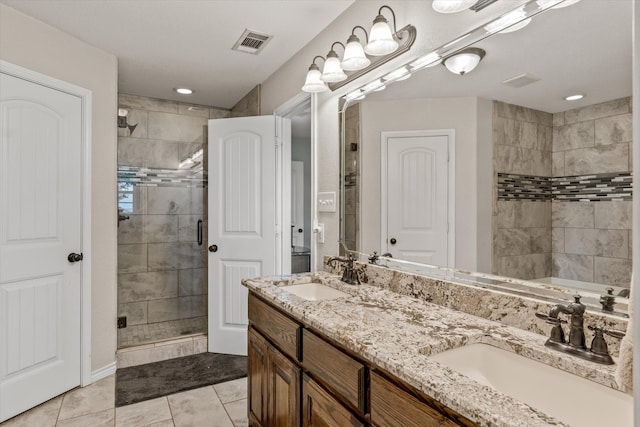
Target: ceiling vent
x=251, y=42
x=521, y=80
x=481, y=4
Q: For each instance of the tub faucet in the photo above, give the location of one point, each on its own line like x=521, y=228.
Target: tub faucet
x=576, y=346
x=350, y=274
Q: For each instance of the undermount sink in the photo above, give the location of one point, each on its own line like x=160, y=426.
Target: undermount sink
x=315, y=291
x=567, y=397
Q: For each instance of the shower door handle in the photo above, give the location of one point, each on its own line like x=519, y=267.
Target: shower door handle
x=199, y=232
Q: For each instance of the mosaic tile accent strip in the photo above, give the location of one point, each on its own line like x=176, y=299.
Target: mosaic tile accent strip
x=593, y=188
x=161, y=177
x=581, y=188
x=523, y=187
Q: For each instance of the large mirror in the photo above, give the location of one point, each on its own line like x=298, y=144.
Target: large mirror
x=494, y=171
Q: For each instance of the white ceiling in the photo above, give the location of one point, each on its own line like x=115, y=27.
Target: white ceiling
x=584, y=48
x=164, y=44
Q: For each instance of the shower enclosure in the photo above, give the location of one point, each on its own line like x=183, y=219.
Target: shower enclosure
x=162, y=221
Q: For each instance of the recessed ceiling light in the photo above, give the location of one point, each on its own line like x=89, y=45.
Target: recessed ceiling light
x=184, y=91
x=574, y=97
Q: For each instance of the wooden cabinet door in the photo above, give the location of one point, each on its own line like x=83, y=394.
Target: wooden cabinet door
x=393, y=407
x=257, y=365
x=320, y=409
x=283, y=392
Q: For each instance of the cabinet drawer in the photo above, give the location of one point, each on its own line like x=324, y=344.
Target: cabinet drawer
x=393, y=407
x=277, y=327
x=319, y=408
x=338, y=371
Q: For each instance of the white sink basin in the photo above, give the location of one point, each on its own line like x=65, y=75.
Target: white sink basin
x=567, y=397
x=315, y=291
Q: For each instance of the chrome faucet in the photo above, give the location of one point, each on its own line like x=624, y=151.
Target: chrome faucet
x=350, y=274
x=576, y=345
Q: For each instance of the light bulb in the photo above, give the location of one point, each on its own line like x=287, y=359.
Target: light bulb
x=313, y=83
x=332, y=72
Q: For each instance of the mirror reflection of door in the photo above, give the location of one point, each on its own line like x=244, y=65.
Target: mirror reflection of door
x=297, y=203
x=416, y=179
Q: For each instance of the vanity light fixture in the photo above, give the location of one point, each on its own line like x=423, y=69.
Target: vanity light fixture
x=183, y=91
x=508, y=23
x=382, y=45
x=565, y=3
x=313, y=83
x=332, y=71
x=356, y=95
x=574, y=97
x=375, y=86
x=354, y=57
x=398, y=75
x=452, y=6
x=381, y=41
x=464, y=61
x=431, y=59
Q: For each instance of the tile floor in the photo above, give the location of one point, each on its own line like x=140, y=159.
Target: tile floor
x=220, y=405
x=154, y=332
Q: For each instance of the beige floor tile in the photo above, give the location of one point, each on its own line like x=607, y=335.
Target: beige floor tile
x=165, y=423
x=88, y=400
x=238, y=412
x=143, y=413
x=104, y=418
x=44, y=415
x=199, y=407
x=232, y=390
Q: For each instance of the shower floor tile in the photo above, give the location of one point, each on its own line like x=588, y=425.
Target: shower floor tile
x=162, y=331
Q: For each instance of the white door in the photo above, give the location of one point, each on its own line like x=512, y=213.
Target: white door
x=297, y=203
x=242, y=228
x=416, y=202
x=40, y=225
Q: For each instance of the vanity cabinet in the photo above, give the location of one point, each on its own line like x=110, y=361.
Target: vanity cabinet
x=320, y=409
x=393, y=407
x=274, y=385
x=298, y=377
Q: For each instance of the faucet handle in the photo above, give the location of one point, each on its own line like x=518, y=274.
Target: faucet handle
x=610, y=332
x=549, y=319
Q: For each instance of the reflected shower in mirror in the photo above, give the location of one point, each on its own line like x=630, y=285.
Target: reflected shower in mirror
x=495, y=171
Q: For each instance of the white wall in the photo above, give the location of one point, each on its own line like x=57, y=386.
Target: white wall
x=460, y=114
x=37, y=46
x=433, y=29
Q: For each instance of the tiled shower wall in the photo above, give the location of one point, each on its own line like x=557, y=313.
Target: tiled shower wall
x=578, y=240
x=592, y=240
x=522, y=141
x=352, y=176
x=161, y=268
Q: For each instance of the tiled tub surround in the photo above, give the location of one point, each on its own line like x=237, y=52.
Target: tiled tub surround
x=162, y=274
x=584, y=241
x=398, y=333
x=352, y=176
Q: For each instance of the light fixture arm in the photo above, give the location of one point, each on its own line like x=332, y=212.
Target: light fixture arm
x=366, y=35
x=335, y=43
x=395, y=28
x=317, y=56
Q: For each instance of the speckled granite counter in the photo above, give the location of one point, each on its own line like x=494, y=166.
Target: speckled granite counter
x=398, y=333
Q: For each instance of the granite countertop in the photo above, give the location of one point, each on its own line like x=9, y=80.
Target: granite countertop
x=398, y=333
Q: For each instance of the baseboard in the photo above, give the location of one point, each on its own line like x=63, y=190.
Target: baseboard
x=103, y=372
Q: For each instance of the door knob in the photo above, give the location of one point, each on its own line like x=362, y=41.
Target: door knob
x=213, y=248
x=393, y=241
x=74, y=257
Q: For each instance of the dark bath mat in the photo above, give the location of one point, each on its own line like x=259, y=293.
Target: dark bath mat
x=143, y=382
